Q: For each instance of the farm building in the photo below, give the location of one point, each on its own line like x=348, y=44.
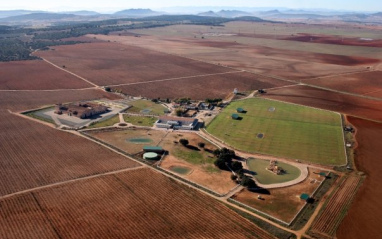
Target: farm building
x=81, y=110
x=205, y=106
x=169, y=122
x=240, y=110
x=152, y=149
x=235, y=116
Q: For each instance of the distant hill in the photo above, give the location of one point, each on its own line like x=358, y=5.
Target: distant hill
x=378, y=14
x=83, y=13
x=137, y=13
x=208, y=14
x=225, y=14
x=233, y=13
x=11, y=13
x=38, y=17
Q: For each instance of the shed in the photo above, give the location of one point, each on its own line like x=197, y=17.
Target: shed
x=240, y=110
x=304, y=196
x=235, y=116
x=155, y=149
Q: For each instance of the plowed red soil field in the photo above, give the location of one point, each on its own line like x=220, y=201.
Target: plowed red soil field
x=327, y=222
x=347, y=104
x=113, y=63
x=364, y=219
x=140, y=203
x=36, y=75
x=216, y=86
x=34, y=155
x=303, y=56
x=365, y=83
x=260, y=59
x=24, y=100
x=337, y=40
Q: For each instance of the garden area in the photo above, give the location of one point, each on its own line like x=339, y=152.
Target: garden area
x=146, y=107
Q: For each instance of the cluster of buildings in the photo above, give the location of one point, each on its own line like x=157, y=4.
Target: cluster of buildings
x=179, y=123
x=81, y=110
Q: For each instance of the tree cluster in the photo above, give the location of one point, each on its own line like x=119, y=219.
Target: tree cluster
x=224, y=158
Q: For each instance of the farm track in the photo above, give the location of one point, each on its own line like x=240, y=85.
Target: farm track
x=80, y=77
x=176, y=78
x=327, y=222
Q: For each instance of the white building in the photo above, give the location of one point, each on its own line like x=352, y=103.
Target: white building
x=180, y=123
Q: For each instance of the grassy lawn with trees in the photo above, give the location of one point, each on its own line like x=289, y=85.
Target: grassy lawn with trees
x=140, y=120
x=282, y=129
x=105, y=123
x=146, y=107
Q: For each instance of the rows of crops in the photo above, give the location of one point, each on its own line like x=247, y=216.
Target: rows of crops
x=328, y=221
x=140, y=203
x=34, y=155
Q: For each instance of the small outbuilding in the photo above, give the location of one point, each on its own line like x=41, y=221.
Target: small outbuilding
x=235, y=116
x=240, y=110
x=150, y=156
x=304, y=196
x=152, y=149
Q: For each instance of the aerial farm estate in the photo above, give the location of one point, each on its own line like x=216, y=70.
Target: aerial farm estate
x=239, y=129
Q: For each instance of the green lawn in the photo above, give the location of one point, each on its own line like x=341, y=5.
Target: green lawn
x=258, y=166
x=192, y=156
x=105, y=123
x=146, y=107
x=290, y=131
x=140, y=120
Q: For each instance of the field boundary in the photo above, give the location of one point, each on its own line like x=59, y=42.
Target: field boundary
x=176, y=78
x=258, y=212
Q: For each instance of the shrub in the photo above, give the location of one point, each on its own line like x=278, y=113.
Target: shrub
x=184, y=142
x=201, y=144
x=236, y=165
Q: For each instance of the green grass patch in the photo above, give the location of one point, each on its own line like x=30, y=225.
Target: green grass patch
x=105, y=123
x=140, y=120
x=266, y=177
x=180, y=170
x=290, y=131
x=146, y=107
x=192, y=156
x=33, y=115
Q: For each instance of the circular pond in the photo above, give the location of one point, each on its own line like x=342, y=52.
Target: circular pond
x=139, y=140
x=264, y=176
x=180, y=169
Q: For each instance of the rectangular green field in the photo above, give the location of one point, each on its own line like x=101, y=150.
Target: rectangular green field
x=290, y=131
x=146, y=107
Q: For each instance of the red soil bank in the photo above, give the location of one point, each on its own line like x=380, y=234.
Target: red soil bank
x=364, y=219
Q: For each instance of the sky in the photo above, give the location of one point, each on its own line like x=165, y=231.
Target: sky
x=116, y=5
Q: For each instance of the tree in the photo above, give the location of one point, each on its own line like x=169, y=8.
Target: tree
x=201, y=144
x=248, y=182
x=184, y=142
x=236, y=165
x=220, y=163
x=233, y=177
x=179, y=112
x=108, y=89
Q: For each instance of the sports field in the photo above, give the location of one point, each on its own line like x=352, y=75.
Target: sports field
x=287, y=130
